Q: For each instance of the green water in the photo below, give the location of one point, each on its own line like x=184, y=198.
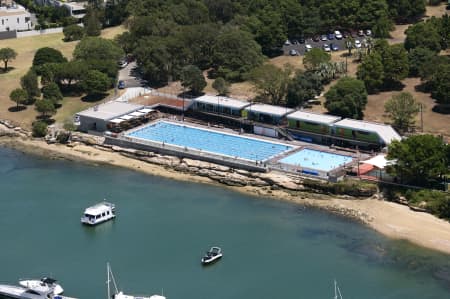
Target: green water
x=271, y=249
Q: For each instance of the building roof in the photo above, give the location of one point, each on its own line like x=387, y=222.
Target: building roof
x=110, y=110
x=386, y=132
x=269, y=109
x=222, y=101
x=98, y=208
x=13, y=11
x=314, y=117
x=377, y=161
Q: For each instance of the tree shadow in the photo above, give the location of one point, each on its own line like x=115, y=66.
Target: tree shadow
x=393, y=86
x=91, y=98
x=17, y=108
x=441, y=109
x=30, y=102
x=45, y=118
x=71, y=91
x=189, y=95
x=2, y=69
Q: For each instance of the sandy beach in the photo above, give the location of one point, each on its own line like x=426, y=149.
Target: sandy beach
x=390, y=219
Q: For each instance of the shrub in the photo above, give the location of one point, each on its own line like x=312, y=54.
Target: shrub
x=39, y=129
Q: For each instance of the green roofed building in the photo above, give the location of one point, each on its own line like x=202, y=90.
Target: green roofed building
x=363, y=133
x=268, y=114
x=220, y=105
x=310, y=126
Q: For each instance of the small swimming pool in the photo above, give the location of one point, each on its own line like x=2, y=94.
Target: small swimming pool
x=210, y=141
x=316, y=159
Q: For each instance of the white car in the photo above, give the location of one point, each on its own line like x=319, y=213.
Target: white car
x=326, y=48
x=357, y=44
x=368, y=32
x=287, y=42
x=308, y=47
x=338, y=34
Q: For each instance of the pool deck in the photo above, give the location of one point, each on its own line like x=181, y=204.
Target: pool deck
x=272, y=163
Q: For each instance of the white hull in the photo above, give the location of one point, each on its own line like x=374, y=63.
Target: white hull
x=211, y=260
x=120, y=295
x=16, y=292
x=33, y=283
x=86, y=221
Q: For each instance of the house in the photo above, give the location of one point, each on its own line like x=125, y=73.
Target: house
x=220, y=105
x=14, y=17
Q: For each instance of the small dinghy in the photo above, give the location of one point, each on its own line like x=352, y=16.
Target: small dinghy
x=212, y=255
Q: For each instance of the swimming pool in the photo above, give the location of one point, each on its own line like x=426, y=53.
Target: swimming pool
x=211, y=141
x=316, y=159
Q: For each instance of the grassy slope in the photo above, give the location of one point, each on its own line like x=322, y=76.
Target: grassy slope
x=26, y=48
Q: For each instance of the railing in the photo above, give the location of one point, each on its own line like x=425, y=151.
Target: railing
x=187, y=151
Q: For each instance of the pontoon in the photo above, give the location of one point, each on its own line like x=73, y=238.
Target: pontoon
x=99, y=213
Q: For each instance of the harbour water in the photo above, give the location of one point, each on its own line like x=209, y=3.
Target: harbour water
x=271, y=249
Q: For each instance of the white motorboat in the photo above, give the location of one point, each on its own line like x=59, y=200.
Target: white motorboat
x=45, y=281
x=120, y=295
x=212, y=255
x=99, y=213
x=38, y=292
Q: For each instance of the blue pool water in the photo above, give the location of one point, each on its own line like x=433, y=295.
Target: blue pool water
x=210, y=141
x=316, y=159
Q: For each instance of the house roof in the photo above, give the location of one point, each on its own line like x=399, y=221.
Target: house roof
x=377, y=161
x=222, y=101
x=386, y=132
x=269, y=109
x=314, y=117
x=110, y=110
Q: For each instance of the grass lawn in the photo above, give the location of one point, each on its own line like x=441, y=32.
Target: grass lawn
x=26, y=48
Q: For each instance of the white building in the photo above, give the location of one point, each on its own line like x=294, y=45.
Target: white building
x=14, y=17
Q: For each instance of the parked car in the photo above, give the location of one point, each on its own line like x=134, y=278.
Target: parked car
x=338, y=34
x=330, y=36
x=353, y=33
x=360, y=32
x=357, y=44
x=293, y=52
x=326, y=48
x=294, y=42
x=316, y=38
x=346, y=34
x=287, y=43
x=301, y=40
x=368, y=32
x=323, y=37
x=122, y=63
x=308, y=47
x=121, y=84
x=334, y=47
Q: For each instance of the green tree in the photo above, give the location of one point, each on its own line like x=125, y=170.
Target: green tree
x=418, y=159
x=419, y=58
x=47, y=55
x=192, y=78
x=440, y=83
x=424, y=35
x=271, y=82
x=45, y=107
x=19, y=96
x=303, y=87
x=314, y=58
x=402, y=108
x=382, y=27
x=406, y=10
x=395, y=64
x=235, y=53
x=92, y=23
x=95, y=82
x=221, y=86
x=6, y=55
x=52, y=93
x=29, y=83
x=73, y=32
x=371, y=72
x=96, y=48
x=347, y=98
x=39, y=129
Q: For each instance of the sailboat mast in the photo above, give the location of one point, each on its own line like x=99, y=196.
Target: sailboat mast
x=107, y=274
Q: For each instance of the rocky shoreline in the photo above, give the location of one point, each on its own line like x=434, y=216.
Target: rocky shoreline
x=368, y=207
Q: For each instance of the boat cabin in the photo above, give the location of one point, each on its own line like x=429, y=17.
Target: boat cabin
x=98, y=213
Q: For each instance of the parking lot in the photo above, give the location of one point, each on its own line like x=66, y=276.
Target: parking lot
x=300, y=47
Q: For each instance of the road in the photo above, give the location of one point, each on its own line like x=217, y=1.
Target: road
x=130, y=75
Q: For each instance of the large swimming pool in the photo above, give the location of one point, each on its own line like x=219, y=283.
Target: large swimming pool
x=210, y=141
x=314, y=159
